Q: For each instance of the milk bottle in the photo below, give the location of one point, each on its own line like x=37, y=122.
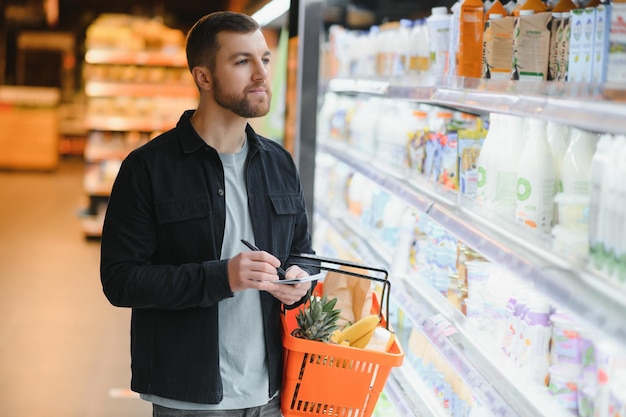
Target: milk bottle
x=506, y=163
x=576, y=166
x=535, y=180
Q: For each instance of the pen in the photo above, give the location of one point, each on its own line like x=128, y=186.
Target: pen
x=281, y=272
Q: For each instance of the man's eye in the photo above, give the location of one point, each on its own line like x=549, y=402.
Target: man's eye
x=241, y=62
x=266, y=60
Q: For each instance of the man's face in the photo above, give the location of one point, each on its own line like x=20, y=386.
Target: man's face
x=241, y=76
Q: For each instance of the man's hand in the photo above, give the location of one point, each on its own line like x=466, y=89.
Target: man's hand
x=291, y=293
x=256, y=269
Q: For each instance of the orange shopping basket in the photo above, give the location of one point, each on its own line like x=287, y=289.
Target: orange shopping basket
x=328, y=379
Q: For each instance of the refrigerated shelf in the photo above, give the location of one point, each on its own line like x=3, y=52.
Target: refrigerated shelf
x=532, y=256
x=578, y=105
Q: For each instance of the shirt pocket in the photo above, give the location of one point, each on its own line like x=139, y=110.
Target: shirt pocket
x=286, y=208
x=182, y=210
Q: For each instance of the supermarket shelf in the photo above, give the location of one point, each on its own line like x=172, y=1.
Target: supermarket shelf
x=532, y=256
x=412, y=395
x=580, y=105
x=124, y=124
x=154, y=58
x=447, y=329
x=116, y=89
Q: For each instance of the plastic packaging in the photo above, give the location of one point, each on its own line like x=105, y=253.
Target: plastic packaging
x=576, y=164
x=381, y=340
x=438, y=24
x=506, y=164
x=535, y=180
x=485, y=186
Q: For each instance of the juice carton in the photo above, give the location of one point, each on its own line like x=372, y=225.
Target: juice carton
x=563, y=37
x=469, y=50
x=581, y=45
x=498, y=48
x=468, y=149
x=553, y=58
x=531, y=47
x=616, y=72
x=601, y=43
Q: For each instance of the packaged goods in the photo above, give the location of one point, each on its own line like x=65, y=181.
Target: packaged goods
x=564, y=6
x=485, y=185
x=506, y=165
x=531, y=46
x=416, y=145
x=601, y=35
x=576, y=164
x=581, y=45
x=468, y=149
x=616, y=72
x=553, y=56
x=563, y=47
x=438, y=24
x=496, y=8
x=468, y=54
x=535, y=180
x=498, y=47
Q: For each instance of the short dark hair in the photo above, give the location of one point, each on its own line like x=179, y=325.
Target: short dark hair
x=202, y=45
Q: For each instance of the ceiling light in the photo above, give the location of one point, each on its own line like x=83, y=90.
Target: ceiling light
x=271, y=11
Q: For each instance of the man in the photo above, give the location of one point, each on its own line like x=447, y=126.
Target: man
x=205, y=327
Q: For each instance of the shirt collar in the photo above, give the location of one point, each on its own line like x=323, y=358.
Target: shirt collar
x=191, y=141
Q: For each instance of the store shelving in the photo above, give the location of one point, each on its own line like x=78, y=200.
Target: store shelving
x=563, y=278
x=455, y=338
x=135, y=88
x=572, y=104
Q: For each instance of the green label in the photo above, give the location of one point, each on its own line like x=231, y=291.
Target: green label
x=523, y=189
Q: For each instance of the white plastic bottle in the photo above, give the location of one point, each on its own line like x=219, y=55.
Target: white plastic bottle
x=558, y=138
x=535, y=180
x=510, y=149
x=485, y=186
x=381, y=340
x=576, y=165
x=597, y=209
x=438, y=24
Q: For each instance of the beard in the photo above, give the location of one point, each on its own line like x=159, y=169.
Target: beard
x=242, y=105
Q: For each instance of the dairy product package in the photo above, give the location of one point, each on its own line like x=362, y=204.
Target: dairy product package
x=563, y=37
x=468, y=149
x=553, y=57
x=616, y=72
x=498, y=48
x=601, y=43
x=531, y=47
x=581, y=45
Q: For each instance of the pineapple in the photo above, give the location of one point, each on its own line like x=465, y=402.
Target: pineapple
x=318, y=321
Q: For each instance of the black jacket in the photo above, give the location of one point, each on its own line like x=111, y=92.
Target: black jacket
x=161, y=247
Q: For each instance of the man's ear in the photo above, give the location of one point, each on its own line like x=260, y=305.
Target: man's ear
x=202, y=77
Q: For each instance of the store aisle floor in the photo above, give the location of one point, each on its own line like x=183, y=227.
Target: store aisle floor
x=64, y=350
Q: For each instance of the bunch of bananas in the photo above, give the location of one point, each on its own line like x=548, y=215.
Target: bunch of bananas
x=358, y=334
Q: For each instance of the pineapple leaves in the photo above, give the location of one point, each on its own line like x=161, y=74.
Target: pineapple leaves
x=318, y=320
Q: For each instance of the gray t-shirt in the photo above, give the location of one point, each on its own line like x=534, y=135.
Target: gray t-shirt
x=242, y=343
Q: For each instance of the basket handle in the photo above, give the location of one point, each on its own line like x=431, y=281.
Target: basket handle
x=321, y=261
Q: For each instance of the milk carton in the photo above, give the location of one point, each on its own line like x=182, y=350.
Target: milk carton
x=498, y=48
x=601, y=43
x=531, y=47
x=581, y=45
x=616, y=72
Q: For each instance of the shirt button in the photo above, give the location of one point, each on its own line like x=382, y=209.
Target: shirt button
x=220, y=192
